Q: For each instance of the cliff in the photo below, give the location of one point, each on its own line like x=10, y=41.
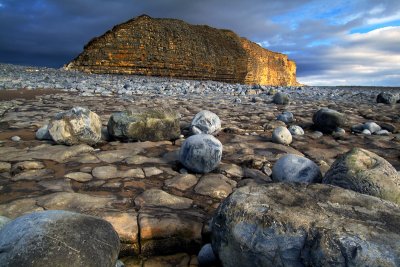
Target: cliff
x=174, y=48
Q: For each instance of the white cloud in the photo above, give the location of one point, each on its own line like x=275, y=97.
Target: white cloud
x=360, y=59
x=383, y=19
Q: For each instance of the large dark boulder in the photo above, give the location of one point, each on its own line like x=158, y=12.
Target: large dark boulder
x=289, y=224
x=365, y=172
x=58, y=238
x=328, y=120
x=388, y=98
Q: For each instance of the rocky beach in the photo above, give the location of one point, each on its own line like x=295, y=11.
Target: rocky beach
x=161, y=209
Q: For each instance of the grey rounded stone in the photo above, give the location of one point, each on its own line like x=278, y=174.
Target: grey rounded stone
x=206, y=256
x=281, y=99
x=372, y=127
x=296, y=130
x=328, y=120
x=281, y=135
x=205, y=122
x=75, y=126
x=201, y=153
x=365, y=172
x=58, y=238
x=387, y=98
x=366, y=132
x=16, y=138
x=382, y=132
x=294, y=168
x=357, y=128
x=43, y=133
x=286, y=117
x=339, y=132
x=294, y=224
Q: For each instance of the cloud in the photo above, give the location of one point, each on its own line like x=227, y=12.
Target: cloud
x=371, y=58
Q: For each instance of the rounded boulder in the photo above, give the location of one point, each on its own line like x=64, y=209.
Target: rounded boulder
x=294, y=224
x=281, y=135
x=328, y=120
x=75, y=126
x=294, y=168
x=201, y=153
x=387, y=98
x=365, y=172
x=58, y=238
x=205, y=122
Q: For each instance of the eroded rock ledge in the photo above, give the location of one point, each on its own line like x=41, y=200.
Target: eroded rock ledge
x=174, y=48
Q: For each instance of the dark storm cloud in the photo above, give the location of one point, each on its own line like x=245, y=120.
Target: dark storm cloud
x=316, y=34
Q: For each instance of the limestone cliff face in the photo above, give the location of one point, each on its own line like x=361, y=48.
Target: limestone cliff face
x=173, y=48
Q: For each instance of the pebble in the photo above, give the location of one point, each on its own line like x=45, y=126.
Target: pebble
x=287, y=117
x=296, y=130
x=16, y=138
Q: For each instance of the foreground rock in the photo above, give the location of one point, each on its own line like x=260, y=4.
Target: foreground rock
x=284, y=224
x=201, y=153
x=328, y=120
x=205, y=122
x=294, y=168
x=146, y=125
x=75, y=126
x=58, y=238
x=365, y=172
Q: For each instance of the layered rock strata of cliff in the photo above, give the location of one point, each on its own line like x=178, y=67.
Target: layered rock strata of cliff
x=174, y=48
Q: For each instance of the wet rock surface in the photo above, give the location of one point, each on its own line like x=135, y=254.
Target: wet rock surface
x=58, y=238
x=283, y=224
x=105, y=179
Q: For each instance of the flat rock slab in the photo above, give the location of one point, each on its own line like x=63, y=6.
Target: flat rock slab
x=160, y=198
x=215, y=185
x=58, y=153
x=164, y=231
x=74, y=202
x=182, y=182
x=126, y=225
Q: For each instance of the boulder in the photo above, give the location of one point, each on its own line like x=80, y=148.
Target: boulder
x=294, y=168
x=43, y=133
x=372, y=127
x=296, y=130
x=75, y=126
x=327, y=120
x=281, y=99
x=205, y=122
x=58, y=238
x=292, y=224
x=206, y=256
x=387, y=98
x=286, y=116
x=281, y=135
x=146, y=125
x=365, y=172
x=201, y=153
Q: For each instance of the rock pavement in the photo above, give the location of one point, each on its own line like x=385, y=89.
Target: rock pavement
x=114, y=179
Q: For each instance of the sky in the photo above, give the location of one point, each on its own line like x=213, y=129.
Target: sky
x=338, y=42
